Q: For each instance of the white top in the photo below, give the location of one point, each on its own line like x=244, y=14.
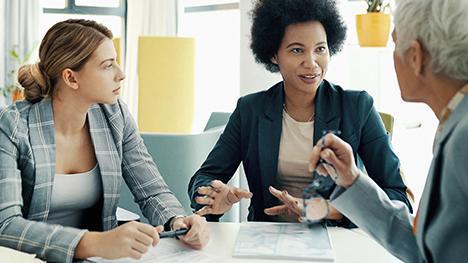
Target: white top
x=293, y=160
x=72, y=194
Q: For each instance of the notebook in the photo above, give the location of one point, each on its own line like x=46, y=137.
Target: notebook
x=291, y=241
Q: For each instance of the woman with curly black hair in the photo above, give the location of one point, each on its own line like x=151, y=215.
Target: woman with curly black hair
x=272, y=132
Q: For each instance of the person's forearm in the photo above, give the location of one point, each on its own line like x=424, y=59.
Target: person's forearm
x=87, y=246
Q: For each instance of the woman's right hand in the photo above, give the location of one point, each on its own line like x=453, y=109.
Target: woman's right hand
x=132, y=239
x=219, y=197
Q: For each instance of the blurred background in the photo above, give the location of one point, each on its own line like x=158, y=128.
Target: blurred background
x=185, y=59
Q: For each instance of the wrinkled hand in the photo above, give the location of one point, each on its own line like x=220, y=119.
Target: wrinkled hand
x=198, y=236
x=339, y=156
x=218, y=198
x=291, y=207
x=132, y=240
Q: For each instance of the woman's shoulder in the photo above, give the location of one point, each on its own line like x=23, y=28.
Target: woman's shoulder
x=14, y=118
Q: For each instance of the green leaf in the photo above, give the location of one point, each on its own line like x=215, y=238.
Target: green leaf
x=14, y=54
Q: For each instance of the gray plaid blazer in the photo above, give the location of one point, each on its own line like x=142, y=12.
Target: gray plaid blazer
x=27, y=170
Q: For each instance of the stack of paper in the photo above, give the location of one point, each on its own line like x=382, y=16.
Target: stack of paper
x=293, y=241
x=166, y=251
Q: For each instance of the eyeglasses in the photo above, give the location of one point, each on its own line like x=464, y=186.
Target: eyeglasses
x=315, y=206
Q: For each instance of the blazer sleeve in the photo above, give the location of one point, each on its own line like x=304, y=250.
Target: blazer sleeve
x=222, y=162
x=387, y=221
x=140, y=173
x=49, y=242
x=375, y=150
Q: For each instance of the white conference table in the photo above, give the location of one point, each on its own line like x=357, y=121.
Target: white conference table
x=348, y=245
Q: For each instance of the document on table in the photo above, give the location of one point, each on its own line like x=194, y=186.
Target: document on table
x=292, y=241
x=166, y=251
x=14, y=256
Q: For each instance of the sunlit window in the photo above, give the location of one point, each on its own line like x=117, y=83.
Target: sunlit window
x=114, y=23
x=100, y=3
x=110, y=13
x=215, y=25
x=54, y=3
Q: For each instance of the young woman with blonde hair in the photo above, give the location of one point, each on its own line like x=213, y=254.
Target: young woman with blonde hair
x=66, y=150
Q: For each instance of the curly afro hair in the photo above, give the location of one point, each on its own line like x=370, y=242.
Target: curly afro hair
x=271, y=17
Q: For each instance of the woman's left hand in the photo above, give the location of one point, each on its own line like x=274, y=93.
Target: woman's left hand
x=333, y=214
x=198, y=236
x=291, y=207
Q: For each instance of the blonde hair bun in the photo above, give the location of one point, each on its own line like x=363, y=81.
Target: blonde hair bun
x=31, y=78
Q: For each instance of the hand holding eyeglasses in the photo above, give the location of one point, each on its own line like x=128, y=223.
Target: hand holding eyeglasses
x=338, y=160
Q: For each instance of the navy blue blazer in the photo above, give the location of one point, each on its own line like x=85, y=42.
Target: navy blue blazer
x=252, y=136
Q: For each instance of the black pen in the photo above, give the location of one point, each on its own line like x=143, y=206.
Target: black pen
x=174, y=233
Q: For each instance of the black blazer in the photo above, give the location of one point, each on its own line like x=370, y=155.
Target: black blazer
x=252, y=136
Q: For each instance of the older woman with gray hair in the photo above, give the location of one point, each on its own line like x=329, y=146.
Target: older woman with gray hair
x=431, y=62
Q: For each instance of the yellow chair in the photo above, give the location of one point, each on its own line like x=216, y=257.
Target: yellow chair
x=388, y=121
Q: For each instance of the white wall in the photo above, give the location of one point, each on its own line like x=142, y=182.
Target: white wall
x=253, y=77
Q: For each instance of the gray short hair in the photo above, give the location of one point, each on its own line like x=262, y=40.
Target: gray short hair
x=442, y=28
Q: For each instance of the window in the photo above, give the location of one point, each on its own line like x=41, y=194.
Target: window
x=111, y=13
x=217, y=54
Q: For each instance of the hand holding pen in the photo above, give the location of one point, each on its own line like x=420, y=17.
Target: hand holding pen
x=196, y=234
x=174, y=233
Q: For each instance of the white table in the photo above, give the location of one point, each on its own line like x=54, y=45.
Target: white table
x=349, y=245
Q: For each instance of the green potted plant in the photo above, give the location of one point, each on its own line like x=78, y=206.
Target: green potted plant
x=13, y=90
x=373, y=28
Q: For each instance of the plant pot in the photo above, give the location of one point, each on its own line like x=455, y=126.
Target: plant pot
x=373, y=29
x=17, y=94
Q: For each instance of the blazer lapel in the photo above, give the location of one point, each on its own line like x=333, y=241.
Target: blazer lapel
x=327, y=108
x=109, y=162
x=269, y=135
x=428, y=194
x=42, y=137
